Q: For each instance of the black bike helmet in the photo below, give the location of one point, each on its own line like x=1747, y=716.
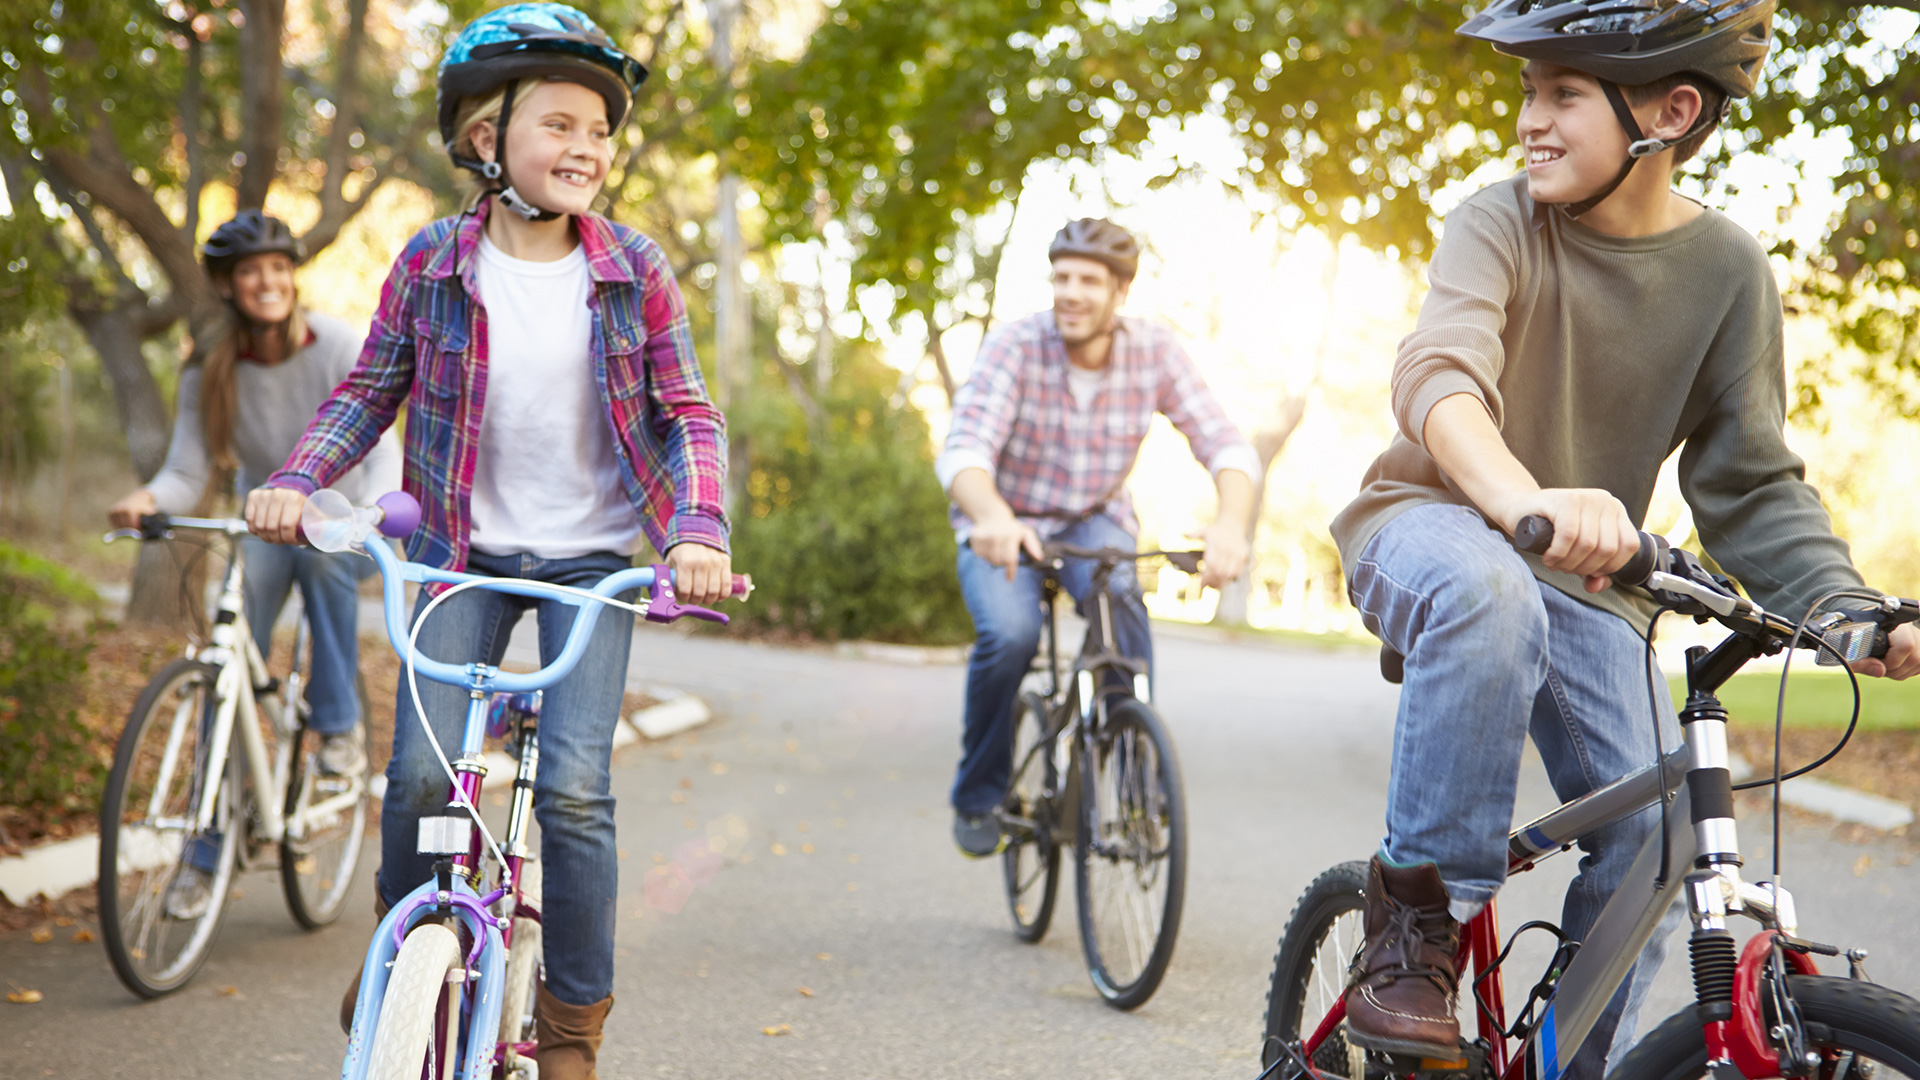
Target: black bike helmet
x=529, y=41
x=1634, y=42
x=1100, y=240
x=249, y=233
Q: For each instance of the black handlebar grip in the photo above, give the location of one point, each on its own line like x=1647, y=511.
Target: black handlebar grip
x=1534, y=534
x=1642, y=565
x=154, y=526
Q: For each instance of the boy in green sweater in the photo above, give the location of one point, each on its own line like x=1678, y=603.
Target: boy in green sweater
x=1585, y=320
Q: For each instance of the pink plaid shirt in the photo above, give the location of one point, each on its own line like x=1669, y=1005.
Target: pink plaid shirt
x=1051, y=460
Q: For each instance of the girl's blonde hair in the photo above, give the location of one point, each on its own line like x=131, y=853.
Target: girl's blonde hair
x=219, y=397
x=471, y=113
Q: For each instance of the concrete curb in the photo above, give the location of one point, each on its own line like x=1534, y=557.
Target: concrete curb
x=907, y=655
x=55, y=869
x=1845, y=804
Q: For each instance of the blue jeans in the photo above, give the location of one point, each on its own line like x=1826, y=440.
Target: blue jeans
x=571, y=798
x=1494, y=655
x=1007, y=621
x=329, y=586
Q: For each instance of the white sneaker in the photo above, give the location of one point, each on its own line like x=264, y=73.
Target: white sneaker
x=189, y=895
x=342, y=754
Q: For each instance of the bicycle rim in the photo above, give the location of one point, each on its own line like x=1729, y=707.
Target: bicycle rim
x=159, y=774
x=1131, y=850
x=1031, y=862
x=329, y=814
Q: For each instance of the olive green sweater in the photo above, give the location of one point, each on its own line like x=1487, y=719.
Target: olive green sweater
x=1597, y=356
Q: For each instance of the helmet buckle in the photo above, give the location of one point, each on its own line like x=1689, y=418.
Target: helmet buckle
x=1640, y=148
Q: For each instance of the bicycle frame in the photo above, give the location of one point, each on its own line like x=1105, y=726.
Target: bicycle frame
x=1702, y=861
x=455, y=891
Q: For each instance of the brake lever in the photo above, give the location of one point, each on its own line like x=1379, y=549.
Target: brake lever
x=664, y=607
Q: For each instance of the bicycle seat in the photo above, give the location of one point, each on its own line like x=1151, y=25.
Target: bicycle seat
x=1393, y=666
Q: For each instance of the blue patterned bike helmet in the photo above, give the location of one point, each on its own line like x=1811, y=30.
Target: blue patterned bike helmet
x=531, y=41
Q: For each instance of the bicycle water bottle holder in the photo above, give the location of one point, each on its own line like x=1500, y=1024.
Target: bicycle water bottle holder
x=1542, y=990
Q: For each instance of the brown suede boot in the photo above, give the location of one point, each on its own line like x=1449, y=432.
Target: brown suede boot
x=569, y=1035
x=1404, y=988
x=380, y=910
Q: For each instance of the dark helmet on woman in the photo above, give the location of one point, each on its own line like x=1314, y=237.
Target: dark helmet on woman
x=249, y=233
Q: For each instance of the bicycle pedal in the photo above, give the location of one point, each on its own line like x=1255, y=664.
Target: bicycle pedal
x=1472, y=1062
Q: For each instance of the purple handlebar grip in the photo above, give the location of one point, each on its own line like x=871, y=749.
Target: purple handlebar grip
x=401, y=514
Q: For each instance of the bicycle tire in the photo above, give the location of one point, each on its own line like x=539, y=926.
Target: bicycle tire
x=1132, y=811
x=405, y=1030
x=523, y=961
x=316, y=871
x=1031, y=861
x=138, y=863
x=1840, y=1016
x=1310, y=972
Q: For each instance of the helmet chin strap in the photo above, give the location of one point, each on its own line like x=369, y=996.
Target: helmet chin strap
x=1638, y=145
x=495, y=171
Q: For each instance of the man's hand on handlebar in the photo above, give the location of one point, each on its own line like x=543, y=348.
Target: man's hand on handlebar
x=701, y=575
x=1000, y=541
x=1226, y=552
x=274, y=514
x=1903, y=655
x=1592, y=534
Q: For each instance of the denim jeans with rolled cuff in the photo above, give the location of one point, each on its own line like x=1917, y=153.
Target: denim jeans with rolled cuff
x=1494, y=655
x=571, y=798
x=1007, y=620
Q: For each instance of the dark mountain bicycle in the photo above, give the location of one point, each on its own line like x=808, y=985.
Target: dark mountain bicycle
x=1761, y=1011
x=1094, y=768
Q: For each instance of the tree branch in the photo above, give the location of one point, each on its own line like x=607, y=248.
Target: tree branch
x=190, y=90
x=260, y=98
x=346, y=112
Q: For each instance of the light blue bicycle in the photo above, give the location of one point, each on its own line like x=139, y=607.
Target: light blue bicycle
x=447, y=987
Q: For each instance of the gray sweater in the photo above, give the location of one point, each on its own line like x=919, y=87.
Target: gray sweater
x=275, y=404
x=1597, y=356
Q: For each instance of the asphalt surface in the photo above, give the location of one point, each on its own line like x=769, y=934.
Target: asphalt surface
x=843, y=920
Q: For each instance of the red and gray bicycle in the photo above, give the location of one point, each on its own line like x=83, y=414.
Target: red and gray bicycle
x=1762, y=1010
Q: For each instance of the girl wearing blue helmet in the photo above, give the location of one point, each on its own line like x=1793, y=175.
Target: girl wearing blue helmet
x=556, y=419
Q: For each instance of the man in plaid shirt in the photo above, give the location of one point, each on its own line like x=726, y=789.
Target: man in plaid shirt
x=1044, y=434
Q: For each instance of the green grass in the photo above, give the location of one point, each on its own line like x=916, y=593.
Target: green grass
x=1818, y=699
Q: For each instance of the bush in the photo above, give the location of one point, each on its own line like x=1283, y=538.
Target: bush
x=48, y=757
x=845, y=528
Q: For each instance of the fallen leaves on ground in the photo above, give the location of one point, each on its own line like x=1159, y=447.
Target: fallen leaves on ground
x=806, y=991
x=1860, y=865
x=777, y=1029
x=25, y=997
x=42, y=935
x=823, y=956
x=82, y=936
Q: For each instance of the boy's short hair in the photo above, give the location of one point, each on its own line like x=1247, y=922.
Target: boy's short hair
x=1712, y=100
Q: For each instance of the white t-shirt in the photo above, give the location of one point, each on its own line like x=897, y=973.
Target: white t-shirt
x=546, y=481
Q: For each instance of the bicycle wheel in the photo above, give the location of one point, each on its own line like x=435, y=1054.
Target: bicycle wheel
x=413, y=1006
x=1131, y=852
x=1861, y=1030
x=162, y=891
x=1310, y=972
x=326, y=824
x=1031, y=861
x=523, y=961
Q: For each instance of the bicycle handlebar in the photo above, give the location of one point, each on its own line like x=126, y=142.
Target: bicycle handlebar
x=161, y=526
x=1680, y=582
x=1189, y=561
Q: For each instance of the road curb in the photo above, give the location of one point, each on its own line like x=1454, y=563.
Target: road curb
x=1844, y=804
x=53, y=870
x=908, y=655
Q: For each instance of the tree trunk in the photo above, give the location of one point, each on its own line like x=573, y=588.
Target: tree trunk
x=260, y=98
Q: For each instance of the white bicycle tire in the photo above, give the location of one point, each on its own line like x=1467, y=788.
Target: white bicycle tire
x=523, y=960
x=405, y=1028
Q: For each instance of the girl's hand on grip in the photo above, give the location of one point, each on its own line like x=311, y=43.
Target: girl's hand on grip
x=274, y=514
x=701, y=575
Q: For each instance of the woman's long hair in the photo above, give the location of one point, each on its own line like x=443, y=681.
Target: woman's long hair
x=219, y=398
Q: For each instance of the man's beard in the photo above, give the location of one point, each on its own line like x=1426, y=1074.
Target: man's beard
x=1102, y=326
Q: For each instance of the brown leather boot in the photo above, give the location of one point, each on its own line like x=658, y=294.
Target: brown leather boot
x=1404, y=988
x=380, y=910
x=569, y=1035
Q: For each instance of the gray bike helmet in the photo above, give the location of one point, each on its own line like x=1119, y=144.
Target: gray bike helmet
x=1633, y=42
x=249, y=233
x=1100, y=240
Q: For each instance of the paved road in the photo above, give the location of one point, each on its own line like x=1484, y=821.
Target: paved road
x=903, y=945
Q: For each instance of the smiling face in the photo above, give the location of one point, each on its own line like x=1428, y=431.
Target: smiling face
x=1573, y=142
x=262, y=287
x=559, y=147
x=1086, y=296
